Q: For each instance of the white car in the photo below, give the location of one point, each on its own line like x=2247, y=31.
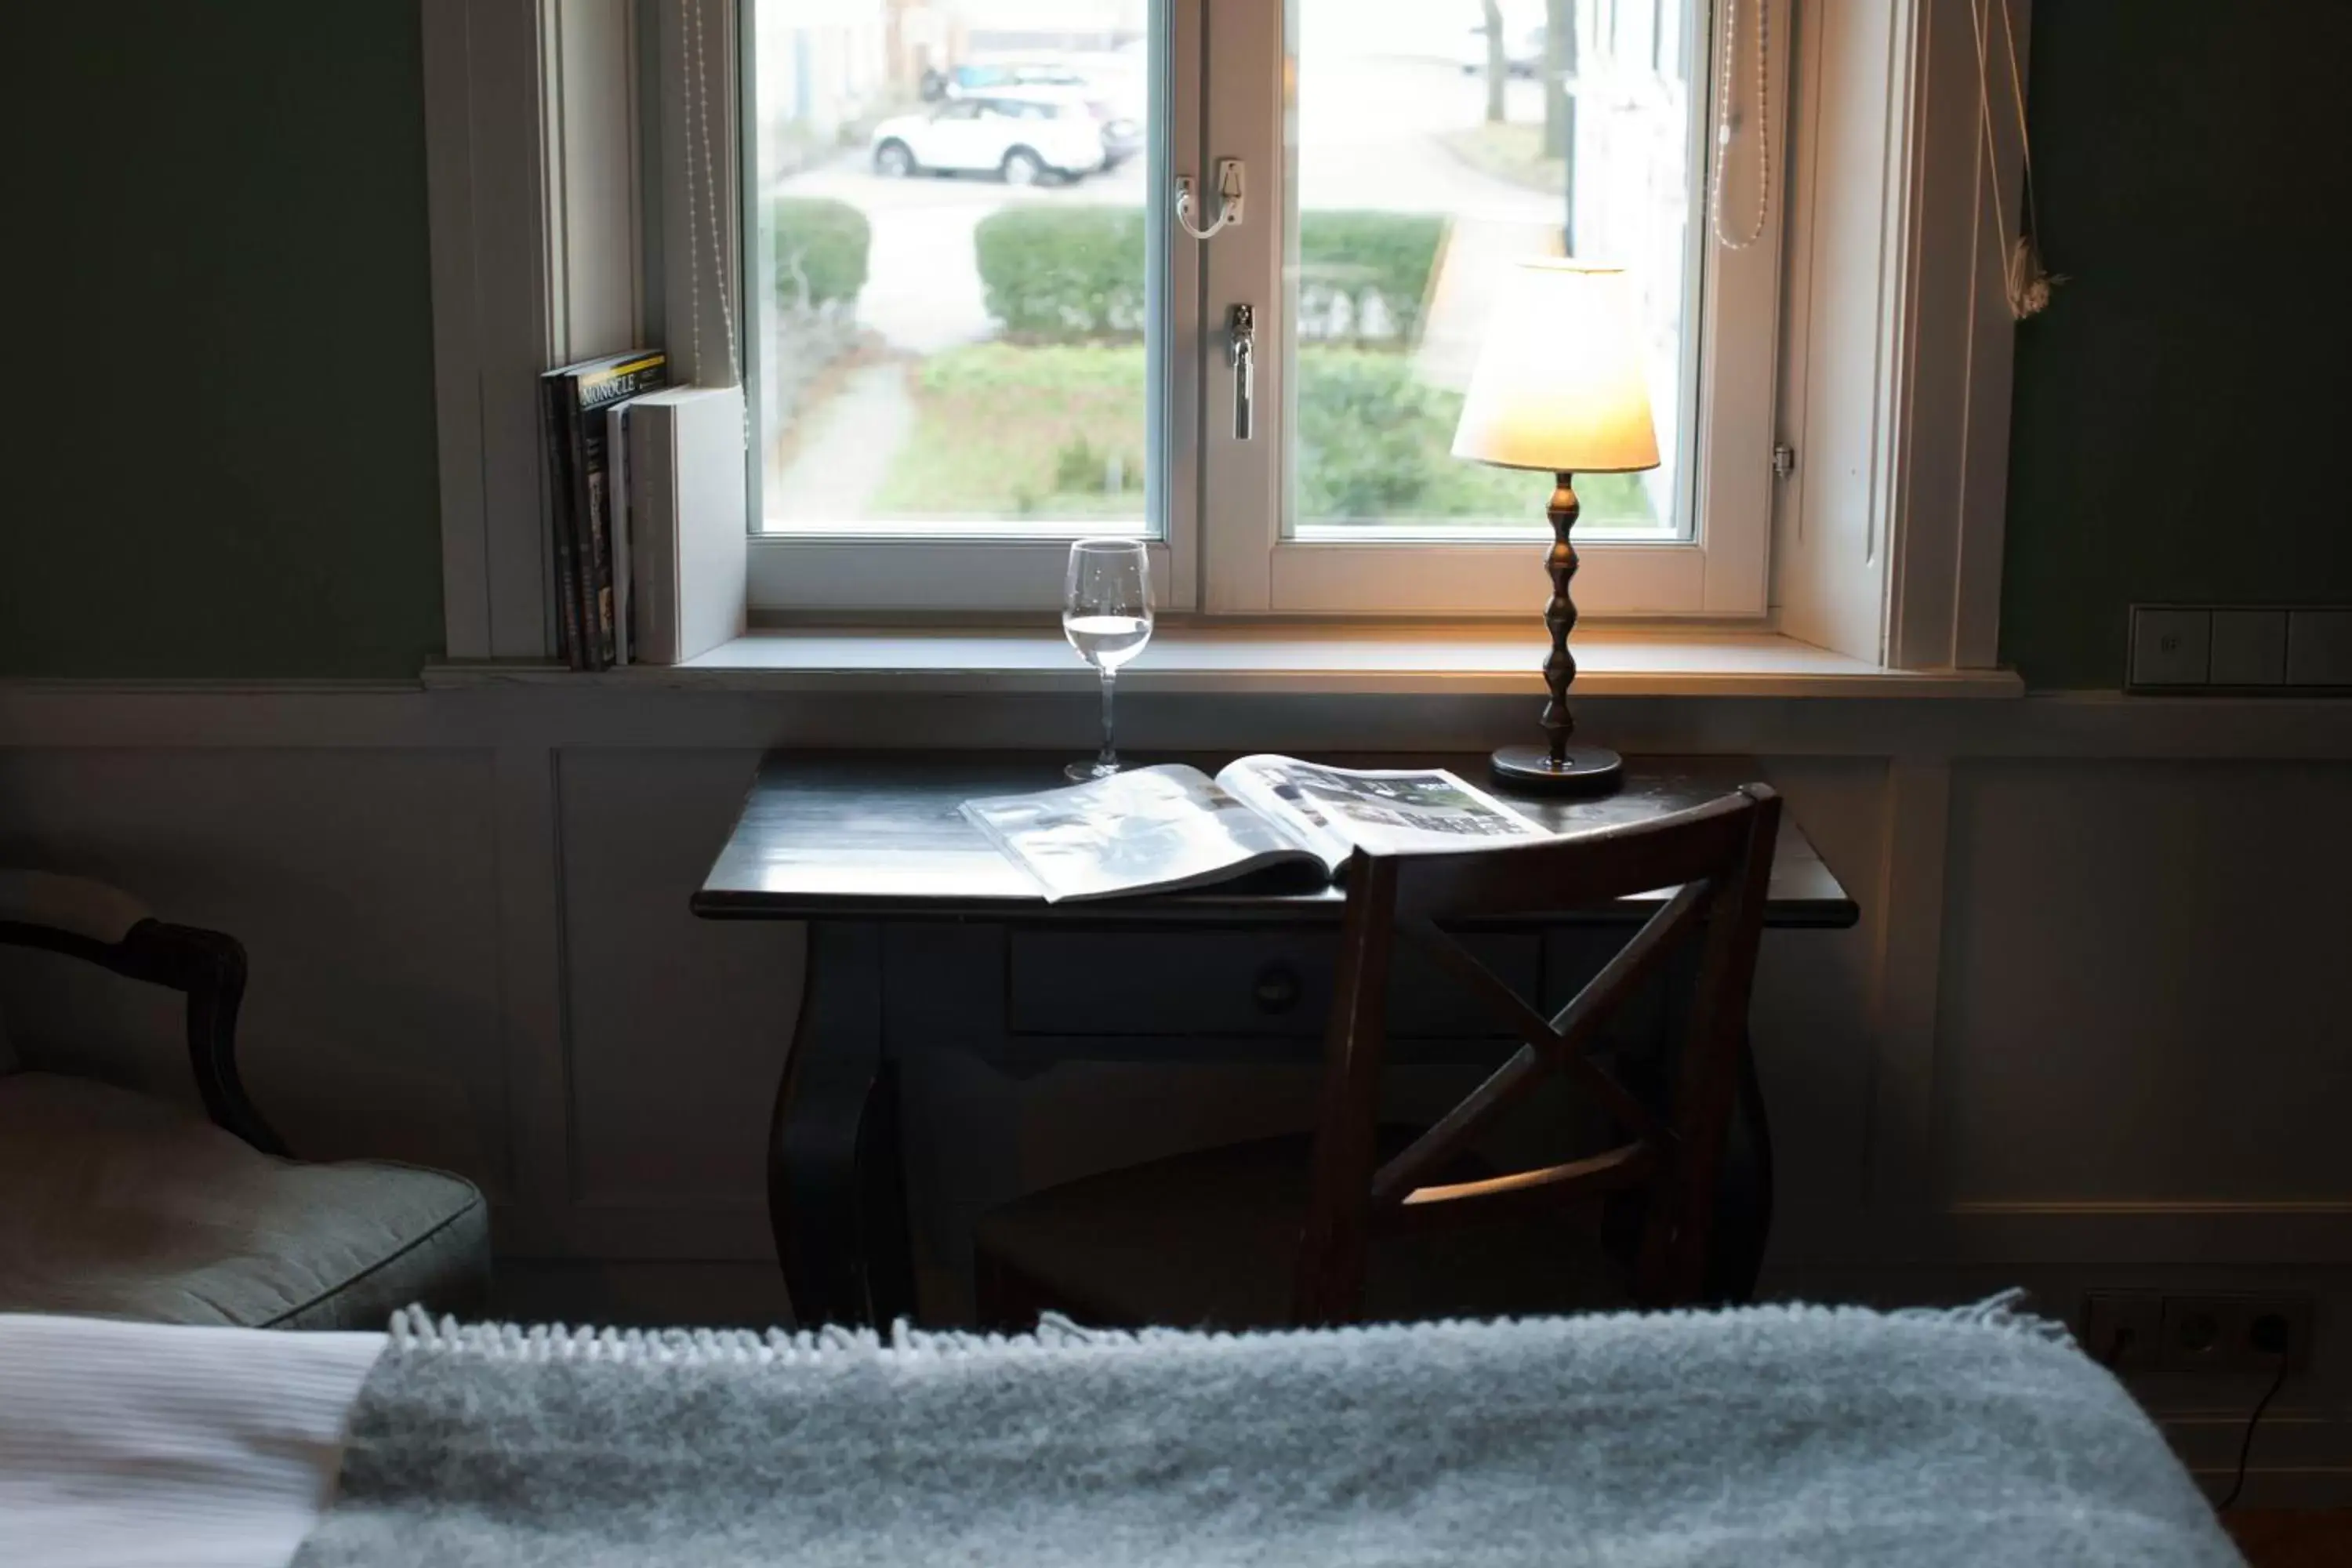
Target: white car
x=1021, y=139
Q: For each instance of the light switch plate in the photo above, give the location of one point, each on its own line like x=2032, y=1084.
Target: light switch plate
x=2249, y=648
x=2170, y=646
x=2319, y=647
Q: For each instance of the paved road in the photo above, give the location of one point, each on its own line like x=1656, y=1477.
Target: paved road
x=1370, y=134
x=843, y=458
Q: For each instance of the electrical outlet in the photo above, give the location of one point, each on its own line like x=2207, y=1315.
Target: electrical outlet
x=2123, y=1330
x=2149, y=1330
x=2219, y=1333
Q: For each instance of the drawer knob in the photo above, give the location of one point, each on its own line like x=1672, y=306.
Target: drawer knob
x=1276, y=989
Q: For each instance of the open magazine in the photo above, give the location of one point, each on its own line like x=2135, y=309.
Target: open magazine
x=1155, y=829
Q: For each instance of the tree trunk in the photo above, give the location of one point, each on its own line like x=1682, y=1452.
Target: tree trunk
x=1498, y=63
x=1560, y=69
x=1560, y=64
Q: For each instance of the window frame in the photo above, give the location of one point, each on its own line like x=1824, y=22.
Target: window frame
x=815, y=574
x=1720, y=572
x=518, y=195
x=1248, y=561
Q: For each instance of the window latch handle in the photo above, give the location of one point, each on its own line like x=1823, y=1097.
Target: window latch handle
x=1229, y=201
x=1241, y=353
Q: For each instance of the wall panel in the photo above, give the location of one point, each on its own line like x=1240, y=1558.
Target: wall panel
x=361, y=882
x=2142, y=990
x=676, y=1027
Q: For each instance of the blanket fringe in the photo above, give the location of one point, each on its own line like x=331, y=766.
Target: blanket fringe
x=414, y=1331
x=2005, y=1311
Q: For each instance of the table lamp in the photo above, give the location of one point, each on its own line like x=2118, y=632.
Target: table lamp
x=1558, y=388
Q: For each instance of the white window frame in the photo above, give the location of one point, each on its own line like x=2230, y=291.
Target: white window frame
x=814, y=575
x=1261, y=567
x=1886, y=544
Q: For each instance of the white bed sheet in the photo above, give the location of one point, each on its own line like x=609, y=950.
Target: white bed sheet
x=126, y=1445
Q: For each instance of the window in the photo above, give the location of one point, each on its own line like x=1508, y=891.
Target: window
x=1416, y=181
x=976, y=330
x=562, y=227
x=960, y=316
x=952, y=330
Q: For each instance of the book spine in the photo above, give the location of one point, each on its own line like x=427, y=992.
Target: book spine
x=595, y=464
x=587, y=530
x=652, y=544
x=553, y=396
x=624, y=564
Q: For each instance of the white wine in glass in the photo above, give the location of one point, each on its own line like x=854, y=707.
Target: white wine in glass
x=1107, y=615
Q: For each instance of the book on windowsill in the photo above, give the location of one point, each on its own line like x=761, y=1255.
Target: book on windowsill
x=576, y=401
x=1159, y=829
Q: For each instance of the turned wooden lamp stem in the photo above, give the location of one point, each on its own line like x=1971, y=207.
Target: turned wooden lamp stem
x=1560, y=616
x=1560, y=388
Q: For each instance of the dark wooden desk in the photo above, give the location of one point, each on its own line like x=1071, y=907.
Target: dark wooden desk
x=921, y=935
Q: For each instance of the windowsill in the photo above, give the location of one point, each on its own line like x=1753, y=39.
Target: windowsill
x=1343, y=659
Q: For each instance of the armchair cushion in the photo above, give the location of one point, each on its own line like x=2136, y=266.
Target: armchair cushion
x=113, y=1205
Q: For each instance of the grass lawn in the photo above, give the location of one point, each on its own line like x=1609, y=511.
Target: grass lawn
x=1042, y=430
x=1014, y=430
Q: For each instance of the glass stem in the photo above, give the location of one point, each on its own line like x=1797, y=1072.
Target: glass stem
x=1110, y=758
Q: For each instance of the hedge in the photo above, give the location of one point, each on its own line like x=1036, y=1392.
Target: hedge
x=1064, y=274
x=1071, y=274
x=1364, y=276
x=822, y=242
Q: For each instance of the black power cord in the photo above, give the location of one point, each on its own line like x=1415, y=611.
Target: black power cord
x=2269, y=1334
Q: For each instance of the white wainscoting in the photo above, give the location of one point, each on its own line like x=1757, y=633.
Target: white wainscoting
x=2091, y=1030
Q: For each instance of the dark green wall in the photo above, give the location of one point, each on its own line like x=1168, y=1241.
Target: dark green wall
x=216, y=276
x=2183, y=411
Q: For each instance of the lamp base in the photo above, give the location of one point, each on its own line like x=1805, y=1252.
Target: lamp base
x=1586, y=770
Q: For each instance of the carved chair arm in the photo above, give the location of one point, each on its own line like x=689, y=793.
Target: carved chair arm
x=90, y=920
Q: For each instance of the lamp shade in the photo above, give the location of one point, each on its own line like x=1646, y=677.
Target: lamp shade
x=1558, y=384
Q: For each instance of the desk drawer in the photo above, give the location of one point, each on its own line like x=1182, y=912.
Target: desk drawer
x=1233, y=983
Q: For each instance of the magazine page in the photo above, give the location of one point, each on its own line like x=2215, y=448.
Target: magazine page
x=1145, y=830
x=1387, y=811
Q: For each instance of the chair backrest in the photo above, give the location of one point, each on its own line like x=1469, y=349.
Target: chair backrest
x=1719, y=858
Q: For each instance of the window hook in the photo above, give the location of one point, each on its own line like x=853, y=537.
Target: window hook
x=1229, y=200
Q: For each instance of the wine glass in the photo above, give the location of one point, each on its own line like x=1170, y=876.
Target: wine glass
x=1107, y=615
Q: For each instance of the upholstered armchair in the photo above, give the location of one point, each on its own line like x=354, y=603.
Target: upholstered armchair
x=116, y=1204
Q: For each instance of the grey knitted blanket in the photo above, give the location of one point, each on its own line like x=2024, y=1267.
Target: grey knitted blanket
x=1772, y=1436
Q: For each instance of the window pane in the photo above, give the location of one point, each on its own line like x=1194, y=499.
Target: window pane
x=1428, y=155
x=951, y=287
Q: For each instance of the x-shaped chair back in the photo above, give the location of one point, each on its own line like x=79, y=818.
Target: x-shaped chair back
x=1717, y=858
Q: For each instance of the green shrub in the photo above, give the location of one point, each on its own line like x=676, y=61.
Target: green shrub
x=1374, y=442
x=820, y=244
x=1071, y=274
x=1080, y=469
x=1365, y=424
x=1364, y=276
x=1062, y=274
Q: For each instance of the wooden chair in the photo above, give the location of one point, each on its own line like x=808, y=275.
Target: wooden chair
x=1284, y=1230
